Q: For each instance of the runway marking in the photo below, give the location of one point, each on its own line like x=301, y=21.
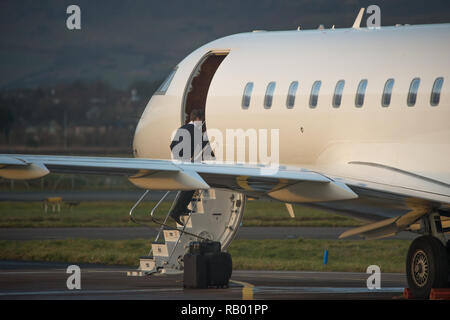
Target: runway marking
x=278, y=289
x=247, y=289
x=30, y=293
x=314, y=275
x=62, y=271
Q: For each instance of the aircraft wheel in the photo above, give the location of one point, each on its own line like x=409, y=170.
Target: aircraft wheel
x=426, y=266
x=448, y=256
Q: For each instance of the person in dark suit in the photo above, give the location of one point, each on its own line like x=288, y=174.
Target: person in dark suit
x=188, y=145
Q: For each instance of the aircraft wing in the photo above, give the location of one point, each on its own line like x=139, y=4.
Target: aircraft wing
x=287, y=184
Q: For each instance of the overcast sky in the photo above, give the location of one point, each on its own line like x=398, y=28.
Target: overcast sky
x=121, y=41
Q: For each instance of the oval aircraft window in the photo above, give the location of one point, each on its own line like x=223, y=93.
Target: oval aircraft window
x=291, y=94
x=412, y=93
x=337, y=98
x=387, y=93
x=165, y=85
x=314, y=98
x=269, y=95
x=247, y=95
x=436, y=91
x=360, y=92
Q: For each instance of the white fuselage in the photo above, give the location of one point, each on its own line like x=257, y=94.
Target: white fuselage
x=340, y=141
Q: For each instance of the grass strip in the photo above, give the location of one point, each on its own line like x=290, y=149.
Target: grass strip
x=115, y=214
x=291, y=254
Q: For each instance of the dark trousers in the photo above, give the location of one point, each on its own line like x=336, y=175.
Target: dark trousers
x=182, y=203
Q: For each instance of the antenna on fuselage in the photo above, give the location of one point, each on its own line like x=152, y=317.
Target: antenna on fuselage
x=358, y=19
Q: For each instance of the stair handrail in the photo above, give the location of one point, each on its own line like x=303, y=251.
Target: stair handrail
x=159, y=202
x=167, y=216
x=136, y=204
x=183, y=230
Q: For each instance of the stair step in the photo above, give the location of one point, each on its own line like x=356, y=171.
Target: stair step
x=171, y=235
x=146, y=264
x=216, y=216
x=160, y=250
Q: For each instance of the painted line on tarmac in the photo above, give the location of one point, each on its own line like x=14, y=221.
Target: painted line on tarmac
x=59, y=292
x=277, y=289
x=63, y=271
x=247, y=289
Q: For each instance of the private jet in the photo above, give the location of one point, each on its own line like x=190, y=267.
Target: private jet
x=361, y=117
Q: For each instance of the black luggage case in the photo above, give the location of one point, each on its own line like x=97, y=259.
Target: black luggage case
x=219, y=269
x=204, y=247
x=195, y=271
x=206, y=266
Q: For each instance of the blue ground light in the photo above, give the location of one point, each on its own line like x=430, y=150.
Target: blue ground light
x=325, y=257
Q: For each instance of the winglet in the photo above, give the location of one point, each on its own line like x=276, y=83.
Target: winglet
x=358, y=19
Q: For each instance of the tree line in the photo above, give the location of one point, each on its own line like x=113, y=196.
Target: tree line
x=76, y=114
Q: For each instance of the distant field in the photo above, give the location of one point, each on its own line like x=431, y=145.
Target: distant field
x=292, y=254
x=115, y=214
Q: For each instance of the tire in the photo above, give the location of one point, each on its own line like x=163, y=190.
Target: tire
x=426, y=266
x=448, y=256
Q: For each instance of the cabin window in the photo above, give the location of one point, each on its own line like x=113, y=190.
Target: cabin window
x=337, y=97
x=360, y=93
x=412, y=93
x=314, y=97
x=387, y=93
x=247, y=95
x=436, y=91
x=268, y=98
x=165, y=85
x=291, y=94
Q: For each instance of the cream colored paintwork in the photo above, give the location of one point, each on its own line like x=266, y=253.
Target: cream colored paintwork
x=413, y=139
x=24, y=172
x=177, y=180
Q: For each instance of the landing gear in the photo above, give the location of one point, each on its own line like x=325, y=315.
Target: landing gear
x=426, y=266
x=427, y=262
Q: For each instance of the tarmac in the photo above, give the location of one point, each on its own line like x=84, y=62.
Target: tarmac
x=22, y=280
x=129, y=233
x=48, y=281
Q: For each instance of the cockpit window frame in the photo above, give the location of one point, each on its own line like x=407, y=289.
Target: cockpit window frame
x=166, y=83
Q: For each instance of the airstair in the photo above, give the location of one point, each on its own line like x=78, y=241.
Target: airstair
x=216, y=215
